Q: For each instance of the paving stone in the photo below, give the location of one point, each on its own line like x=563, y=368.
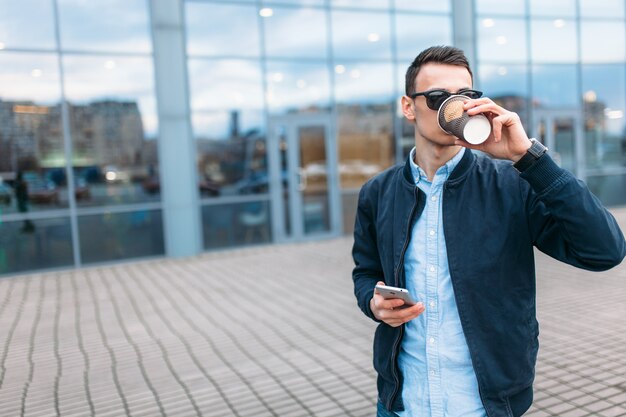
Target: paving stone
x=167, y=336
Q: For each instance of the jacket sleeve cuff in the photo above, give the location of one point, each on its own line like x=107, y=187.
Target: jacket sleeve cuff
x=544, y=174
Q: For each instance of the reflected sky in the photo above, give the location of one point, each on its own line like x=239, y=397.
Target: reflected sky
x=117, y=26
x=602, y=8
x=294, y=2
x=553, y=8
x=309, y=25
x=25, y=76
x=89, y=79
x=605, y=84
x=555, y=86
x=502, y=40
x=225, y=84
x=295, y=86
x=502, y=80
x=553, y=40
x=373, y=4
x=222, y=29
x=424, y=5
x=361, y=35
x=417, y=32
x=602, y=42
x=364, y=82
x=497, y=7
x=36, y=15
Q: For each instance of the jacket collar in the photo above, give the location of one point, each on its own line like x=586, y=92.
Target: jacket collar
x=457, y=174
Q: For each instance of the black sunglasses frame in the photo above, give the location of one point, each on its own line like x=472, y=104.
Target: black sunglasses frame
x=435, y=98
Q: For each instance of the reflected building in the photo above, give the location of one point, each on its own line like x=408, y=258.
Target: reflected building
x=169, y=128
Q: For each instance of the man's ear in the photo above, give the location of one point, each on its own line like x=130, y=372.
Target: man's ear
x=407, y=108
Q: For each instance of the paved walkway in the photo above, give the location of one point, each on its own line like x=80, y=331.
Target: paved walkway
x=252, y=333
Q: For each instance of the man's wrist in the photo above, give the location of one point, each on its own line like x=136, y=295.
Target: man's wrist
x=532, y=155
x=518, y=156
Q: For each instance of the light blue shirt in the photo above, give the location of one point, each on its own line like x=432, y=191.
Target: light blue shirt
x=439, y=379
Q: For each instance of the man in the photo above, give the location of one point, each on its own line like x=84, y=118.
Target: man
x=457, y=229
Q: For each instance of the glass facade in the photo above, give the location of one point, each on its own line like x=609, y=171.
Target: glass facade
x=78, y=134
x=292, y=106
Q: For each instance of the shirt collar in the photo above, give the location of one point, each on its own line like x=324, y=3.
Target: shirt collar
x=419, y=174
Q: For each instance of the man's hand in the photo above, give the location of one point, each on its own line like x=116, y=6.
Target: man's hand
x=508, y=139
x=389, y=311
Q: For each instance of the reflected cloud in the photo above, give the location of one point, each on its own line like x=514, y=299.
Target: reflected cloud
x=602, y=42
x=301, y=87
x=222, y=29
x=366, y=83
x=29, y=77
x=415, y=33
x=220, y=84
x=121, y=26
x=296, y=32
x=351, y=31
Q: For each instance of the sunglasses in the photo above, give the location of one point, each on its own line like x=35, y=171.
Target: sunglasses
x=435, y=98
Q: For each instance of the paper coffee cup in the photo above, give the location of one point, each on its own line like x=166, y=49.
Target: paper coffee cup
x=455, y=121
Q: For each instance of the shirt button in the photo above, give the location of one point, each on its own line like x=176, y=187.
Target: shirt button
x=432, y=372
x=433, y=198
x=432, y=233
x=432, y=340
x=432, y=304
x=432, y=269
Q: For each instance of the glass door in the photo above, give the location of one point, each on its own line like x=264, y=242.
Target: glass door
x=304, y=178
x=561, y=132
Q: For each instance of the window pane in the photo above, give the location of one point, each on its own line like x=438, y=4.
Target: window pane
x=237, y=224
x=114, y=26
x=225, y=84
x=296, y=33
x=416, y=32
x=602, y=42
x=114, y=236
x=555, y=8
x=554, y=41
x=424, y=5
x=31, y=135
x=26, y=245
x=611, y=189
x=221, y=29
x=507, y=85
x=296, y=2
x=374, y=4
x=114, y=126
x=296, y=87
x=605, y=106
x=602, y=8
x=502, y=40
x=361, y=35
x=365, y=106
x=493, y=7
x=555, y=86
x=36, y=15
x=229, y=126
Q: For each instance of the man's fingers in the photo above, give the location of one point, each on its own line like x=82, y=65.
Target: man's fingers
x=402, y=315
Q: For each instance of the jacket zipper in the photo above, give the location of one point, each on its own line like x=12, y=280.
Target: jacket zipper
x=396, y=344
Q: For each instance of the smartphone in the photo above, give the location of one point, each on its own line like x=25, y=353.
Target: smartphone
x=395, y=292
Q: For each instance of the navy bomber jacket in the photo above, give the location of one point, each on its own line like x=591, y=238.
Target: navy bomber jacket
x=492, y=218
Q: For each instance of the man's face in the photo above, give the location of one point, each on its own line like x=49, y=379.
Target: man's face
x=451, y=78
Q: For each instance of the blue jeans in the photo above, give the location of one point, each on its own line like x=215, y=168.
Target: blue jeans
x=382, y=412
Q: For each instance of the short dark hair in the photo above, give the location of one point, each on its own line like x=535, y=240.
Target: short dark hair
x=438, y=54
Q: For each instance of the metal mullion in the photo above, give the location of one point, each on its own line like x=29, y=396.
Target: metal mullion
x=67, y=144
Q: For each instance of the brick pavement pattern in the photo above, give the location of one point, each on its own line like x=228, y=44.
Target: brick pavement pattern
x=267, y=331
